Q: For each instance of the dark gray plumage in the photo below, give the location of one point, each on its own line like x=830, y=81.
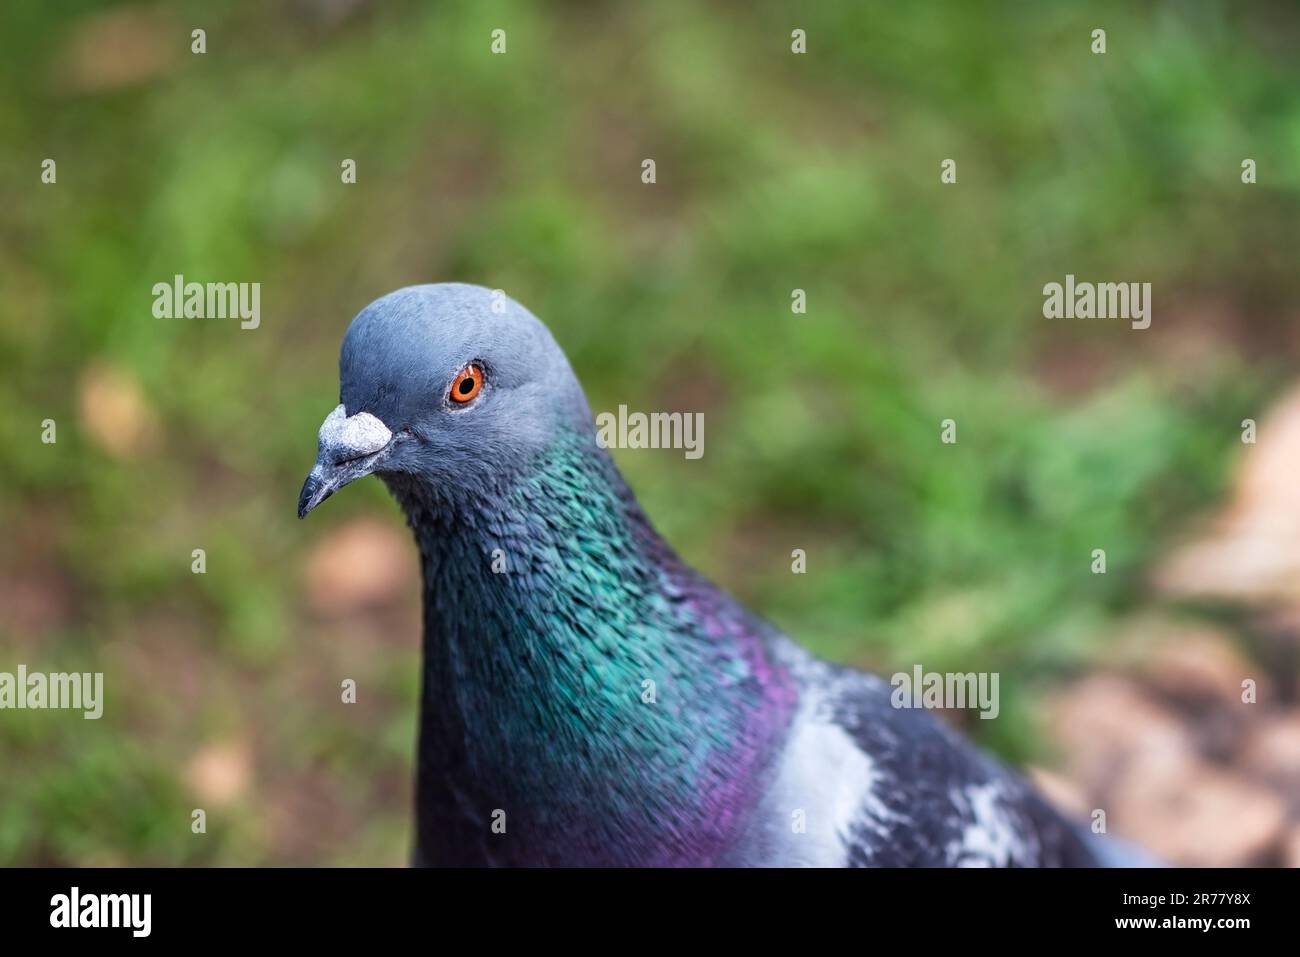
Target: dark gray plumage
x=550, y=601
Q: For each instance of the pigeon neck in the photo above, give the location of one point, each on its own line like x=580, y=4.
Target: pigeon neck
x=583, y=690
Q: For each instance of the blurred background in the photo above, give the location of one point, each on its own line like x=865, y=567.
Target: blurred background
x=775, y=171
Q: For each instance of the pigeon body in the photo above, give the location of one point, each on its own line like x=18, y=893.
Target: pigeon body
x=588, y=698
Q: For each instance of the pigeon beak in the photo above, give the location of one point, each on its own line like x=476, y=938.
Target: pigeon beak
x=350, y=447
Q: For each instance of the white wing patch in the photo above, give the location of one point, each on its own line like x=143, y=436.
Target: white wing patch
x=992, y=838
x=827, y=777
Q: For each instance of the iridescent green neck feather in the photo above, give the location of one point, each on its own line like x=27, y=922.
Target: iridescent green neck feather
x=579, y=677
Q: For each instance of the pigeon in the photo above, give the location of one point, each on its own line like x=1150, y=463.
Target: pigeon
x=589, y=699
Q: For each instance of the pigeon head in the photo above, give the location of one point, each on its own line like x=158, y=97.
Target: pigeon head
x=454, y=384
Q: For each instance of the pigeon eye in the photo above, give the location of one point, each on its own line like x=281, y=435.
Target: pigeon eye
x=467, y=384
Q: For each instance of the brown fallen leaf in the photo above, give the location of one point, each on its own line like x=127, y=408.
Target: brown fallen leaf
x=1189, y=661
x=1291, y=852
x=1191, y=813
x=1062, y=793
x=1105, y=723
x=363, y=564
x=114, y=412
x=1272, y=750
x=219, y=773
x=1250, y=552
x=119, y=48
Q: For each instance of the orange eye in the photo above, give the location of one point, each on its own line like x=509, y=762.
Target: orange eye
x=467, y=383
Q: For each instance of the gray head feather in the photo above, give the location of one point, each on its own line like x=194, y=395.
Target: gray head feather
x=399, y=359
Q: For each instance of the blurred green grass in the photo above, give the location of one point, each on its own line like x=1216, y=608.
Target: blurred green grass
x=521, y=171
